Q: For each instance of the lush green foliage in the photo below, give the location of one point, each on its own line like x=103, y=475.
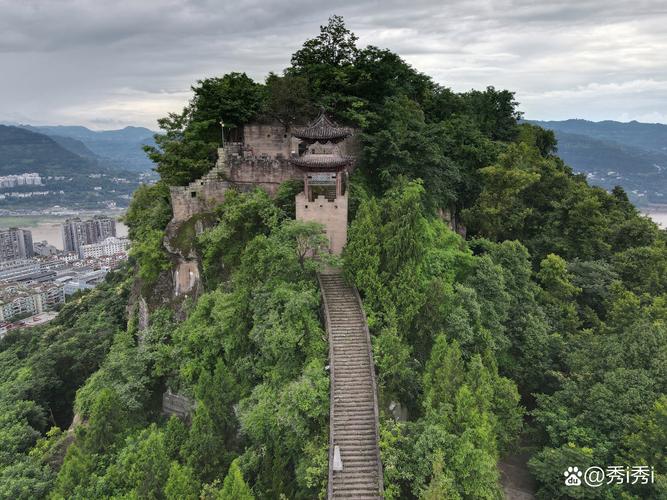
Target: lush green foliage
x=251, y=355
x=146, y=219
x=424, y=291
x=40, y=370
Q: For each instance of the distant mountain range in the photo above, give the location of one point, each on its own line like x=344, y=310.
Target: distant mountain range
x=610, y=153
x=24, y=151
x=633, y=155
x=122, y=148
x=75, y=173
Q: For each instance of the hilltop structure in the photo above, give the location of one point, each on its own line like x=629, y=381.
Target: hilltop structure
x=267, y=155
x=324, y=167
x=319, y=155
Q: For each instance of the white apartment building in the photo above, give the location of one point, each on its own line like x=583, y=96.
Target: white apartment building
x=109, y=246
x=18, y=299
x=86, y=281
x=15, y=269
x=29, y=179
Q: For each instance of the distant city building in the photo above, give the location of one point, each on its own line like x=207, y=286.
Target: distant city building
x=84, y=281
x=27, y=300
x=43, y=249
x=15, y=270
x=10, y=181
x=77, y=233
x=110, y=246
x=15, y=243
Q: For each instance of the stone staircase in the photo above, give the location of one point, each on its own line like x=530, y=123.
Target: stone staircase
x=355, y=470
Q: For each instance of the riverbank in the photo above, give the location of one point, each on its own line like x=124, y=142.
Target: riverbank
x=658, y=215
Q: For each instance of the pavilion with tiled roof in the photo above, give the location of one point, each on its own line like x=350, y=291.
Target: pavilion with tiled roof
x=322, y=129
x=324, y=197
x=322, y=162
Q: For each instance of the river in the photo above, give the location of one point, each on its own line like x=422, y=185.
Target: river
x=658, y=216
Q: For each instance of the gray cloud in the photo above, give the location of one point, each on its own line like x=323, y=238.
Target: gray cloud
x=107, y=64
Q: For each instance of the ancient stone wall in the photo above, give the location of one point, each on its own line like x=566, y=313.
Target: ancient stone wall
x=332, y=214
x=351, y=146
x=272, y=141
x=267, y=174
x=196, y=198
x=234, y=168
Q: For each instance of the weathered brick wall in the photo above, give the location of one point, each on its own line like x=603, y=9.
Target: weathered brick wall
x=267, y=174
x=270, y=140
x=196, y=198
x=332, y=214
x=262, y=162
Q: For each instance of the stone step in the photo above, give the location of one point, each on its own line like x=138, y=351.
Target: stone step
x=350, y=379
x=360, y=420
x=345, y=441
x=352, y=351
x=369, y=455
x=352, y=358
x=353, y=426
x=356, y=482
x=356, y=397
x=352, y=390
x=360, y=362
x=350, y=343
x=354, y=429
x=348, y=441
x=343, y=406
x=360, y=375
x=345, y=395
x=354, y=490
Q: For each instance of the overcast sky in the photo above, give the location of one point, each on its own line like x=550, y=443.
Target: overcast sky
x=107, y=64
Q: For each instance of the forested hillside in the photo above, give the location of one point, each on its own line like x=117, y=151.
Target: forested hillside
x=538, y=321
x=647, y=136
x=119, y=148
x=70, y=173
x=632, y=155
x=23, y=151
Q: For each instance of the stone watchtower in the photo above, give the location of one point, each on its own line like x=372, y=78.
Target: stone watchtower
x=324, y=198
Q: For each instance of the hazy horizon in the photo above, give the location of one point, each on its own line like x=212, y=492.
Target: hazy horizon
x=132, y=62
x=156, y=130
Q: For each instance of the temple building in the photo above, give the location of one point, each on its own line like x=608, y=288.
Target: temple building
x=265, y=156
x=325, y=169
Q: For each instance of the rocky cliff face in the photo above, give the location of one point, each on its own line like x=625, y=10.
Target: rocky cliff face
x=179, y=243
